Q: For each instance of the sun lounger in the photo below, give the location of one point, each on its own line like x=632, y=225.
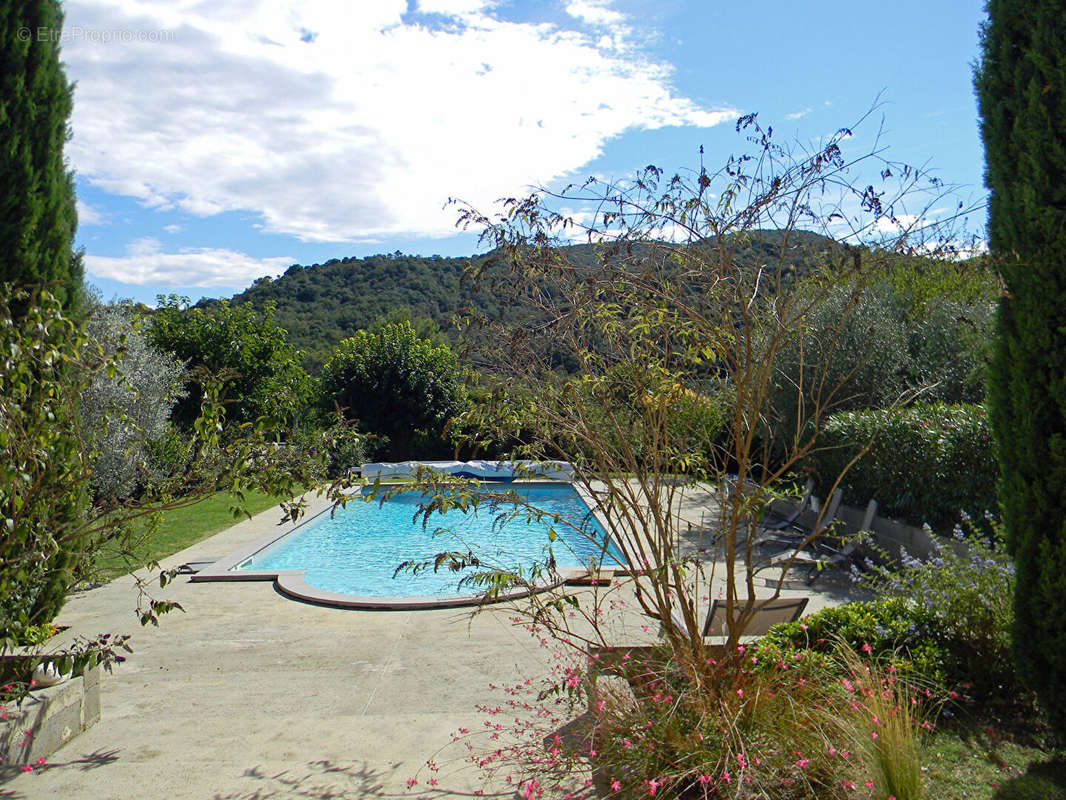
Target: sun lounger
x=767, y=613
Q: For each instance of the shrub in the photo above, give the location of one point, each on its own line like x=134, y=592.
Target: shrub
x=889, y=626
x=396, y=385
x=122, y=413
x=247, y=350
x=947, y=620
x=43, y=472
x=965, y=594
x=928, y=463
x=758, y=734
x=852, y=341
x=915, y=328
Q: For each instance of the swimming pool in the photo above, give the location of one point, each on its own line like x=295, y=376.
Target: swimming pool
x=354, y=553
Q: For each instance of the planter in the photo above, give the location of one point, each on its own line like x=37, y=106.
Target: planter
x=49, y=718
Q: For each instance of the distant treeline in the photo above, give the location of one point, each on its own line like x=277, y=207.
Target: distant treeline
x=321, y=304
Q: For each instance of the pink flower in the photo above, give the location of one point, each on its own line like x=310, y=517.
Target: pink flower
x=803, y=763
x=411, y=782
x=615, y=786
x=740, y=693
x=866, y=648
x=653, y=787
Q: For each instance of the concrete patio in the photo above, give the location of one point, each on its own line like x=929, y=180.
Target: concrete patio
x=251, y=695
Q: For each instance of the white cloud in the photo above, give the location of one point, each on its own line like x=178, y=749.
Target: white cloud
x=339, y=121
x=453, y=7
x=594, y=12
x=146, y=264
x=88, y=215
x=173, y=228
x=799, y=114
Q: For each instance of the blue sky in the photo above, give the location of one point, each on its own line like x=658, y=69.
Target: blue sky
x=215, y=142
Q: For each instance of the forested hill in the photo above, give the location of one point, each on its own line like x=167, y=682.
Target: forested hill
x=321, y=304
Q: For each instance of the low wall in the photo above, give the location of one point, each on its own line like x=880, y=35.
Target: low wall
x=888, y=534
x=49, y=718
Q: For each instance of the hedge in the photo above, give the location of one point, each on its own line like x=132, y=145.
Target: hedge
x=927, y=464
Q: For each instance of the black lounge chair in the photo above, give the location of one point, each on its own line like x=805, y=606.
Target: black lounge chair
x=772, y=522
x=797, y=534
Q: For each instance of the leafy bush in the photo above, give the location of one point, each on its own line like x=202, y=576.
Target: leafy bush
x=123, y=412
x=759, y=734
x=696, y=422
x=43, y=472
x=888, y=626
x=947, y=619
x=929, y=463
x=396, y=385
x=965, y=593
x=852, y=340
x=261, y=370
x=878, y=342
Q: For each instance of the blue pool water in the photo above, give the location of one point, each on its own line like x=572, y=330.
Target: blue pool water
x=357, y=550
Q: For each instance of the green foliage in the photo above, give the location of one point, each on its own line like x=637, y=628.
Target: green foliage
x=761, y=734
x=1021, y=86
x=397, y=386
x=321, y=304
x=946, y=620
x=697, y=422
x=43, y=474
x=124, y=412
x=964, y=592
x=261, y=370
x=887, y=626
x=927, y=463
x=921, y=326
x=37, y=211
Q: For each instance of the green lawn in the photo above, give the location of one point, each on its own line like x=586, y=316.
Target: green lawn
x=180, y=528
x=980, y=764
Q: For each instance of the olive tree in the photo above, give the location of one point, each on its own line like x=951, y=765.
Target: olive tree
x=126, y=409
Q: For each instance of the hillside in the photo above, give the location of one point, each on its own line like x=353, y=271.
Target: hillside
x=321, y=304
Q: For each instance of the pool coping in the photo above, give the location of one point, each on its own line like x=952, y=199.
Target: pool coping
x=292, y=584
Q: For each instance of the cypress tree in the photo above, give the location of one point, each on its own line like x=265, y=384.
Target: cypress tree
x=37, y=209
x=1021, y=90
x=37, y=224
